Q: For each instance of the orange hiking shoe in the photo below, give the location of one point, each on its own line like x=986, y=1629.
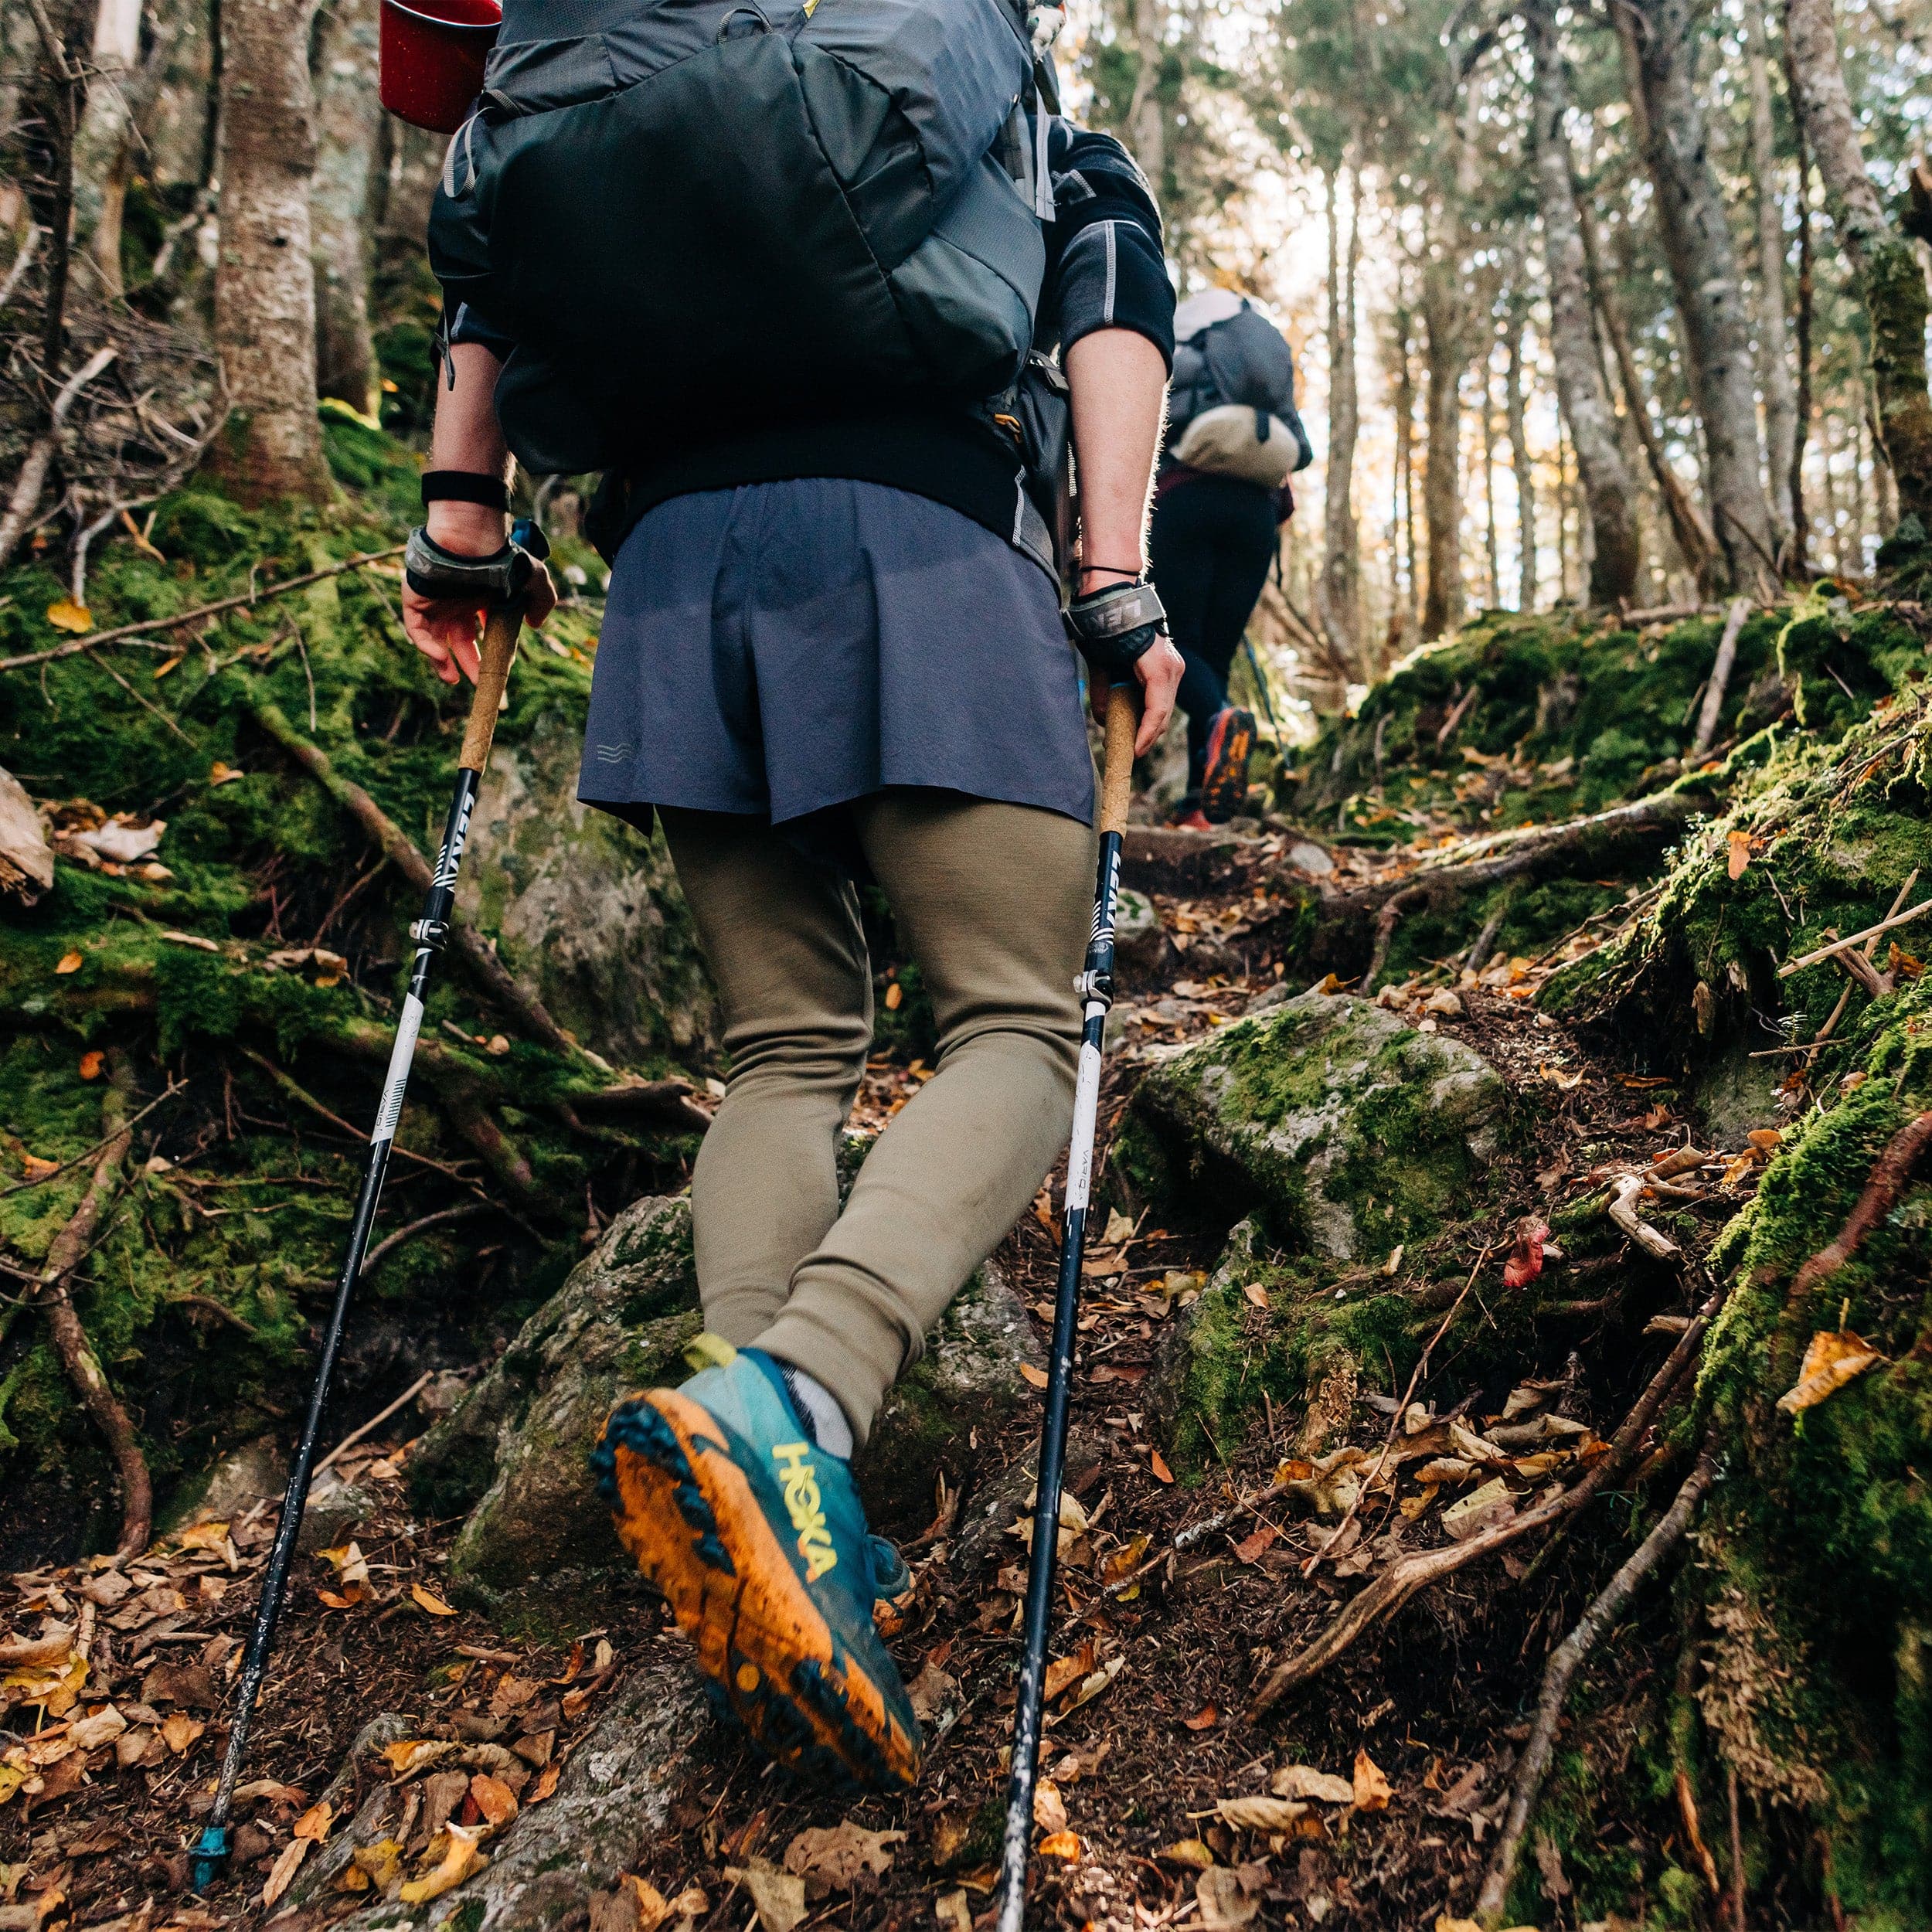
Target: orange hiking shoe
x=757, y=1538
x=1224, y=784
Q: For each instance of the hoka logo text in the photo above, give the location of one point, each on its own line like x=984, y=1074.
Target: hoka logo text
x=801, y=1481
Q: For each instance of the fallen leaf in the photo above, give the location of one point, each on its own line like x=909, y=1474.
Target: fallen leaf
x=287, y=1863
x=70, y=962
x=494, y=1799
x=778, y=1897
x=1120, y=1229
x=895, y=993
x=1833, y=1359
x=428, y=1600
x=834, y=1859
x=1159, y=1466
x=1526, y=1261
x=460, y=1859
x=202, y=1536
x=166, y=665
x=1485, y=1506
x=952, y=1911
x=932, y=1692
x=1063, y=1670
x=64, y=614
x=98, y=1728
x=1204, y=1719
x=1061, y=1845
x=379, y=1865
x=1037, y=1377
x=1303, y=1780
x=1187, y=1851
x=409, y=1755
x=91, y=1064
x=1091, y=1686
x=1259, y=1814
x=546, y=1784
x=314, y=1823
x=1740, y=844
x=1257, y=1295
x=1372, y=1792
x=1250, y=1549
x=1229, y=1898
x=179, y=1730
x=1049, y=1808
x=221, y=774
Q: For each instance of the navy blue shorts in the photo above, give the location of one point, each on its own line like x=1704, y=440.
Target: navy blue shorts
x=780, y=649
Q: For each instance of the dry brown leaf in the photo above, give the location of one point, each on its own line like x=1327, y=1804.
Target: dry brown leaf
x=952, y=1911
x=1204, y=1719
x=1037, y=1377
x=1063, y=1670
x=1257, y=1295
x=1230, y=1898
x=494, y=1799
x=1049, y=1808
x=70, y=962
x=1157, y=1464
x=98, y=1728
x=1371, y=1788
x=778, y=1897
x=546, y=1784
x=179, y=1730
x=428, y=1600
x=932, y=1692
x=1259, y=1814
x=1303, y=1780
x=460, y=1859
x=316, y=1822
x=833, y=1859
x=1740, y=844
x=287, y=1863
x=1834, y=1358
x=409, y=1755
x=1250, y=1549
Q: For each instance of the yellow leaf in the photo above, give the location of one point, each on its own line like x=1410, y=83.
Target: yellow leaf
x=461, y=1860
x=1188, y=1851
x=428, y=1600
x=221, y=773
x=1372, y=1792
x=70, y=963
x=1037, y=1377
x=1061, y=1845
x=202, y=1536
x=91, y=1064
x=379, y=1865
x=284, y=1868
x=1740, y=844
x=64, y=614
x=37, y=1168
x=1833, y=1358
x=409, y=1755
x=166, y=665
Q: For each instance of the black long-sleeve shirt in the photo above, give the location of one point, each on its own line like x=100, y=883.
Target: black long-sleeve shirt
x=1104, y=270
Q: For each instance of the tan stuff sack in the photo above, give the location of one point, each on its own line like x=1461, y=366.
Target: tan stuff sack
x=1234, y=441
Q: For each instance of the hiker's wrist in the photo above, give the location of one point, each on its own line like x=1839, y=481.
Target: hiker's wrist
x=470, y=530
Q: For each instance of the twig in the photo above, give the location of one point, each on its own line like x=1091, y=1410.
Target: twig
x=1533, y=1766
x=1457, y=712
x=1886, y=1182
x=463, y=1211
x=376, y=1421
x=33, y=471
x=1853, y=939
x=70, y=1340
x=88, y=1154
x=1621, y=1208
x=1737, y=1850
x=94, y=640
x=1403, y=1578
x=1720, y=681
x=22, y=260
x=1392, y=911
x=1694, y=1831
x=1394, y=1421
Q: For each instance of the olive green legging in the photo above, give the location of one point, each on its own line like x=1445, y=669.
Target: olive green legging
x=993, y=901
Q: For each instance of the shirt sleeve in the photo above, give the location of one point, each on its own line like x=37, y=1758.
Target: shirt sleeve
x=466, y=325
x=1105, y=264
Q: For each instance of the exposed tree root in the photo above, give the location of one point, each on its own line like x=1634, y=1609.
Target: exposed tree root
x=1408, y=1575
x=1890, y=1173
x=532, y=1017
x=1533, y=1766
x=64, y=1254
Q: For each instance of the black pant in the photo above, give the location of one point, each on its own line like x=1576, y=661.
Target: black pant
x=1212, y=540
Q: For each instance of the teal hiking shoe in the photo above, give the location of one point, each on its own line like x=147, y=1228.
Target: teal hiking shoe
x=757, y=1539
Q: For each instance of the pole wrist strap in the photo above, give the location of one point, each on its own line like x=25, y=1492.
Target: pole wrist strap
x=498, y=578
x=1115, y=625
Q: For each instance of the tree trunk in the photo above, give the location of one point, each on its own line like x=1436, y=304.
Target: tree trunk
x=1891, y=283
x=1340, y=588
x=1607, y=485
x=1703, y=266
x=265, y=279
x=100, y=158
x=1493, y=541
x=348, y=121
x=1773, y=349
x=1146, y=127
x=1405, y=619
x=1801, y=332
x=1519, y=465
x=1442, y=321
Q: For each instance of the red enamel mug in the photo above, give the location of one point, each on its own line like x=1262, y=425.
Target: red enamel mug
x=433, y=53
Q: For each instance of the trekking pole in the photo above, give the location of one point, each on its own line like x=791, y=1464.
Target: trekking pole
x=1096, y=985
x=1261, y=682
x=210, y=1857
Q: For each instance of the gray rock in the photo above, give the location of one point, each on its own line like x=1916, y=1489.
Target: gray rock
x=1355, y=1131
x=1141, y=948
x=1305, y=855
x=514, y=1453
x=254, y=1473
x=981, y=1542
x=335, y=1511
x=585, y=909
x=612, y=1802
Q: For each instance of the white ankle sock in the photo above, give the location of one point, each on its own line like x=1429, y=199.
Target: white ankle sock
x=820, y=1410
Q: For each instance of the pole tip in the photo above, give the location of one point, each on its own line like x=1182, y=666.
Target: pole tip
x=208, y=1859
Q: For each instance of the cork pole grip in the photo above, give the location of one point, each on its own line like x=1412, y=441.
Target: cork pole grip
x=493, y=673
x=1117, y=777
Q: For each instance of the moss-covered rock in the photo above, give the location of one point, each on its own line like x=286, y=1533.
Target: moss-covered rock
x=1352, y=1130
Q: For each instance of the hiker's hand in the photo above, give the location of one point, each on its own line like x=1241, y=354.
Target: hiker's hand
x=1158, y=668
x=446, y=629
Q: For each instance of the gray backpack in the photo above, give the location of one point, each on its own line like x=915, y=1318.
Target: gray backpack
x=687, y=212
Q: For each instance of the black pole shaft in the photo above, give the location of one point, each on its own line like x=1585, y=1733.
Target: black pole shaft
x=1096, y=987
x=210, y=1855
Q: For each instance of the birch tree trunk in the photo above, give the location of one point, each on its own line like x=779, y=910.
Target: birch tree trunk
x=1891, y=283
x=100, y=154
x=1774, y=374
x=1340, y=587
x=1519, y=465
x=348, y=121
x=264, y=279
x=1607, y=485
x=1703, y=267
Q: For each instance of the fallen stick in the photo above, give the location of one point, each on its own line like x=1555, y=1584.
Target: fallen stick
x=88, y=1154
x=1853, y=939
x=1720, y=681
x=1533, y=1766
x=501, y=984
x=376, y=1421
x=1694, y=1831
x=148, y=626
x=1392, y=911
x=76, y=1353
x=1621, y=1208
x=1885, y=1183
x=1837, y=1013
x=32, y=477
x=1408, y=1575
x=464, y=1211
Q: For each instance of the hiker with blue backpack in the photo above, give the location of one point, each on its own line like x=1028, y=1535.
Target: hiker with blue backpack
x=828, y=295
x=1234, y=439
